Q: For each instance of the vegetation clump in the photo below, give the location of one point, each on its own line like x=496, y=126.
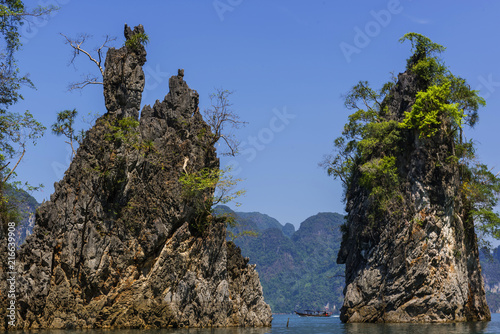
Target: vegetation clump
x=137, y=40
x=369, y=153
x=207, y=188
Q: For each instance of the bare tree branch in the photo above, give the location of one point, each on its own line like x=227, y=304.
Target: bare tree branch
x=97, y=59
x=218, y=116
x=89, y=79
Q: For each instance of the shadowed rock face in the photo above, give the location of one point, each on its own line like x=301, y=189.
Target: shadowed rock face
x=113, y=248
x=420, y=264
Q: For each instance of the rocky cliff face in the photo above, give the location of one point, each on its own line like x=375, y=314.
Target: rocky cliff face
x=419, y=264
x=114, y=247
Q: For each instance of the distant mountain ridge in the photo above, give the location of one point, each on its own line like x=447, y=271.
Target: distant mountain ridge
x=297, y=269
x=262, y=221
x=490, y=264
x=26, y=206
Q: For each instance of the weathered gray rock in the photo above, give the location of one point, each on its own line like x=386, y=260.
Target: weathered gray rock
x=124, y=78
x=420, y=264
x=114, y=247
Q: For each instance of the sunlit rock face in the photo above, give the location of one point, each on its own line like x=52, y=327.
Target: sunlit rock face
x=420, y=263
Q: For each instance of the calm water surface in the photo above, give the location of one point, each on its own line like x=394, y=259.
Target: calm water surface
x=333, y=325
x=330, y=325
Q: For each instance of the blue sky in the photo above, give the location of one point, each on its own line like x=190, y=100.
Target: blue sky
x=288, y=63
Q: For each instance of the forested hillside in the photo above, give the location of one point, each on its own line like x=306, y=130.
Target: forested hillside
x=25, y=205
x=300, y=271
x=491, y=273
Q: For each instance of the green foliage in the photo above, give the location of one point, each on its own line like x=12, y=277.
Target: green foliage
x=13, y=15
x=481, y=188
x=372, y=140
x=367, y=145
x=362, y=93
x=380, y=137
x=468, y=99
x=431, y=71
x=11, y=12
x=64, y=126
x=196, y=183
x=422, y=48
x=8, y=211
x=123, y=131
x=424, y=60
x=342, y=165
x=207, y=188
x=380, y=175
x=428, y=70
x=11, y=18
x=65, y=122
x=16, y=130
x=431, y=110
x=137, y=40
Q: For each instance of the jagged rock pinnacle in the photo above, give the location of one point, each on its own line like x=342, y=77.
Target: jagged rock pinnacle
x=117, y=246
x=124, y=78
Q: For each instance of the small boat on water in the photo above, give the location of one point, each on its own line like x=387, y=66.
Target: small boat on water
x=311, y=313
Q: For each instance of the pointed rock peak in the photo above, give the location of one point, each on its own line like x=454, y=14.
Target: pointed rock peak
x=181, y=98
x=124, y=78
x=111, y=247
x=129, y=33
x=135, y=41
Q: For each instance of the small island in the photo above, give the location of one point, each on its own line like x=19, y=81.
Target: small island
x=413, y=189
x=120, y=244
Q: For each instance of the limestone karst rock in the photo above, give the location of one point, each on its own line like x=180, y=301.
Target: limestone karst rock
x=421, y=263
x=114, y=247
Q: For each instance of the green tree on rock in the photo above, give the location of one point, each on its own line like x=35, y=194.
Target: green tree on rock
x=212, y=186
x=367, y=151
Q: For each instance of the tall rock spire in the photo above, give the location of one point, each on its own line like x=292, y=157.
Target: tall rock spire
x=420, y=262
x=123, y=75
